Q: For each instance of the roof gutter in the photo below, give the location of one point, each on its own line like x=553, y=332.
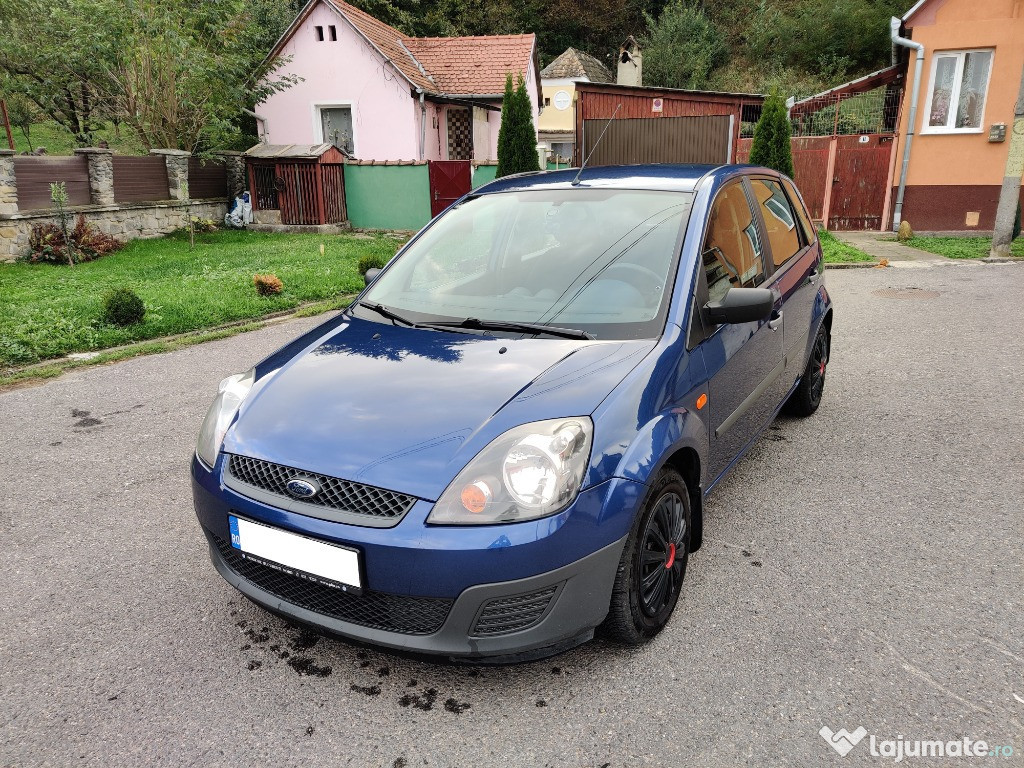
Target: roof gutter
x=894, y=33
x=260, y=119
x=423, y=123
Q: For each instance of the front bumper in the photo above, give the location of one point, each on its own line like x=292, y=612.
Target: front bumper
x=561, y=607
x=507, y=591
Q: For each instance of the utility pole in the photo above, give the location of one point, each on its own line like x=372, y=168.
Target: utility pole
x=7, y=123
x=1009, y=196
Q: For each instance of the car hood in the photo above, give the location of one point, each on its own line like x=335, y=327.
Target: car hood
x=405, y=409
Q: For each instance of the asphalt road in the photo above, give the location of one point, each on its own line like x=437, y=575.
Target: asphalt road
x=862, y=568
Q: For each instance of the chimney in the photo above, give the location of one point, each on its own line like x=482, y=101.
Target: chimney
x=631, y=63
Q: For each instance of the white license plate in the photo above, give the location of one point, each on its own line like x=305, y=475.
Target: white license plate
x=316, y=561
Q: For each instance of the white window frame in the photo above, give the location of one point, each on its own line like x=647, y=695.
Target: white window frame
x=318, y=125
x=954, y=97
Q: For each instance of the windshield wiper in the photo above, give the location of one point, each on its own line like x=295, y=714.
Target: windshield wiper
x=500, y=325
x=383, y=311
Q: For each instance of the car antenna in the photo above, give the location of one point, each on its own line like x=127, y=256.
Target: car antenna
x=576, y=181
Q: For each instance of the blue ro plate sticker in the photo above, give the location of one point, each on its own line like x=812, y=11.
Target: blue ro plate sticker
x=236, y=541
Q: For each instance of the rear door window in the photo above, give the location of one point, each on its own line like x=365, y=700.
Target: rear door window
x=780, y=221
x=810, y=231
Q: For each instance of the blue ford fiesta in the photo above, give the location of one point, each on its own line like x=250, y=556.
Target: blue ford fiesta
x=504, y=444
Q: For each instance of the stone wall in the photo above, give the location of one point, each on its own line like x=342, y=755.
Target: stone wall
x=128, y=221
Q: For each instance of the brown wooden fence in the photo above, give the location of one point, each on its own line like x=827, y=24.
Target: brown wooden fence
x=140, y=179
x=207, y=179
x=33, y=176
x=334, y=192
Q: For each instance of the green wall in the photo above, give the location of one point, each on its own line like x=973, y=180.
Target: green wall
x=483, y=174
x=387, y=196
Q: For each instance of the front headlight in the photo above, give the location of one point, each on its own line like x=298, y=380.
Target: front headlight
x=531, y=471
x=230, y=394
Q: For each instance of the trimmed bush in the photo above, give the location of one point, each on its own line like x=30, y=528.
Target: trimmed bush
x=123, y=307
x=267, y=285
x=372, y=261
x=905, y=232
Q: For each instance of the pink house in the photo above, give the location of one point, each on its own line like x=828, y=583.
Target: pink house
x=381, y=95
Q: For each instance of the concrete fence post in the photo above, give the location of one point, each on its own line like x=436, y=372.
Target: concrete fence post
x=177, y=170
x=8, y=186
x=101, y=174
x=234, y=164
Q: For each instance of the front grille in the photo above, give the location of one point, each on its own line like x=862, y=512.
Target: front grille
x=343, y=495
x=512, y=614
x=378, y=610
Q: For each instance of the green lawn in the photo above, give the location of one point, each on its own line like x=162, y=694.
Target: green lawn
x=837, y=252
x=48, y=311
x=58, y=141
x=962, y=247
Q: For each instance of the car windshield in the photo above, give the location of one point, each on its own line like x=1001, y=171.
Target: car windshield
x=594, y=260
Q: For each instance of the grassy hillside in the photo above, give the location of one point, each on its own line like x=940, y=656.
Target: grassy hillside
x=59, y=141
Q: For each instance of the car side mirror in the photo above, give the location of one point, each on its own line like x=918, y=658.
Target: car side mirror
x=371, y=275
x=741, y=305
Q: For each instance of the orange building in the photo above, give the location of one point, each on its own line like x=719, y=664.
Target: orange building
x=970, y=79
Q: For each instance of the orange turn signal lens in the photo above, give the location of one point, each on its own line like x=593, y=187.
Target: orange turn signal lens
x=702, y=401
x=475, y=496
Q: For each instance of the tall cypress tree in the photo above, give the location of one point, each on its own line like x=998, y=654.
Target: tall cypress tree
x=771, y=147
x=517, y=141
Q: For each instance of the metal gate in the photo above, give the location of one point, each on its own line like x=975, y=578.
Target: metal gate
x=843, y=179
x=704, y=139
x=449, y=180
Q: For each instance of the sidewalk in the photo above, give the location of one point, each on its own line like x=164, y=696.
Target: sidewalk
x=883, y=245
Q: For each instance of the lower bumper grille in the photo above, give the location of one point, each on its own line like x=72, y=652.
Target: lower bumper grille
x=377, y=610
x=504, y=615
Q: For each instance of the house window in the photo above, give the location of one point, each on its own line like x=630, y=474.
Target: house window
x=334, y=32
x=320, y=34
x=336, y=126
x=956, y=99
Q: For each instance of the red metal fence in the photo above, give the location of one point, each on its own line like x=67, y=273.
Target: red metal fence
x=140, y=179
x=33, y=176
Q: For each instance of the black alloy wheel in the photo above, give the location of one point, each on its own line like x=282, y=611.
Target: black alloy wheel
x=807, y=396
x=653, y=564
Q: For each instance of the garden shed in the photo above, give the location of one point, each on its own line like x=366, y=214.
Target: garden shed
x=304, y=183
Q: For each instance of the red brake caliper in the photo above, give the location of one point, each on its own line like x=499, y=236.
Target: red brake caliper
x=671, y=556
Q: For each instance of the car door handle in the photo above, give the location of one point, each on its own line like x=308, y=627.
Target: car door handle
x=776, y=321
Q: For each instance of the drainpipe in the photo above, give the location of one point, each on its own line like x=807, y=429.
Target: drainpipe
x=894, y=31
x=423, y=123
x=261, y=119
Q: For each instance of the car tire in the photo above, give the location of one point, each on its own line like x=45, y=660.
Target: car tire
x=653, y=564
x=807, y=396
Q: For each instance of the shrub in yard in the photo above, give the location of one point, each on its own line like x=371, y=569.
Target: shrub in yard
x=123, y=307
x=905, y=231
x=47, y=243
x=267, y=285
x=771, y=146
x=372, y=261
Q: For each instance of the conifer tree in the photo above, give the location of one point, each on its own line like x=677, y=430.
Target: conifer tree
x=771, y=147
x=517, y=141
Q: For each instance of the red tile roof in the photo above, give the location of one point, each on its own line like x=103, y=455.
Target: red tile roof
x=473, y=65
x=444, y=66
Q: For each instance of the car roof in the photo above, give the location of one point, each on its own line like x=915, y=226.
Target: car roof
x=666, y=176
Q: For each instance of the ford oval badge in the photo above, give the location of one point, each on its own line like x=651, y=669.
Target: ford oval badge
x=303, y=488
